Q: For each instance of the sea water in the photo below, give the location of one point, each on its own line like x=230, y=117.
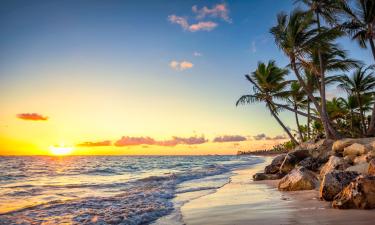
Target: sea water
x=108, y=189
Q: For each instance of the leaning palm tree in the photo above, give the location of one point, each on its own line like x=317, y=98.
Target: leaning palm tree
x=361, y=83
x=295, y=36
x=268, y=84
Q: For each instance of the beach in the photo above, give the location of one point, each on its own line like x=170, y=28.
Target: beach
x=244, y=201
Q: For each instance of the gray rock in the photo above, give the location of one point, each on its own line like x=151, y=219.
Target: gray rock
x=298, y=179
x=310, y=163
x=292, y=158
x=333, y=183
x=359, y=194
x=274, y=167
x=360, y=168
x=263, y=176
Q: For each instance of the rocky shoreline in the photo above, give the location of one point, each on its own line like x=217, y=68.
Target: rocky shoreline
x=342, y=170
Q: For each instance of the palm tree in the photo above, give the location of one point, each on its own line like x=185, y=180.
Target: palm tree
x=360, y=22
x=268, y=84
x=360, y=25
x=297, y=99
x=361, y=83
x=296, y=37
x=326, y=9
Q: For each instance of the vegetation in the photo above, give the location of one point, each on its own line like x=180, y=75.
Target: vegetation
x=309, y=39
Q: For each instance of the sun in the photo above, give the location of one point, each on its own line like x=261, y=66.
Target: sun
x=60, y=150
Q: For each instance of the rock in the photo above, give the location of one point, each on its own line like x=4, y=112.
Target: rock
x=338, y=146
x=370, y=155
x=360, y=159
x=359, y=194
x=310, y=163
x=292, y=158
x=263, y=176
x=334, y=163
x=355, y=149
x=333, y=183
x=360, y=168
x=300, y=154
x=274, y=167
x=323, y=150
x=299, y=178
x=371, y=168
x=349, y=159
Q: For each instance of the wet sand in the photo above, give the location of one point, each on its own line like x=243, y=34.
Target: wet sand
x=244, y=201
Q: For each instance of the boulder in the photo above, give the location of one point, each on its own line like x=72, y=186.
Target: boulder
x=360, y=159
x=292, y=158
x=359, y=194
x=263, y=176
x=274, y=167
x=355, y=149
x=323, y=150
x=298, y=179
x=370, y=155
x=333, y=183
x=360, y=168
x=310, y=163
x=349, y=159
x=338, y=146
x=334, y=163
x=371, y=168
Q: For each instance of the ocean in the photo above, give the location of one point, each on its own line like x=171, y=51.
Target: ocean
x=108, y=189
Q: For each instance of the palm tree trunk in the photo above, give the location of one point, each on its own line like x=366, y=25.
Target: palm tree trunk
x=362, y=114
x=308, y=118
x=330, y=132
x=297, y=123
x=371, y=127
x=296, y=111
x=284, y=127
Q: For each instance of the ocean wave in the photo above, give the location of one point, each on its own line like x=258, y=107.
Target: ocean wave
x=140, y=201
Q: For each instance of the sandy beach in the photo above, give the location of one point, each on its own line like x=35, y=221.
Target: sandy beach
x=244, y=201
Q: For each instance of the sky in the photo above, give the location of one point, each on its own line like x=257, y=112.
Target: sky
x=137, y=77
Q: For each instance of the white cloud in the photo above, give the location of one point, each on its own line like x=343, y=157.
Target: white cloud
x=217, y=11
x=197, y=54
x=182, y=21
x=206, y=26
x=253, y=47
x=180, y=66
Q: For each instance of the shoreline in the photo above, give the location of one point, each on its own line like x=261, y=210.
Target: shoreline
x=244, y=201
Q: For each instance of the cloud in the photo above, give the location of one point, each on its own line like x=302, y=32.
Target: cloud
x=180, y=66
x=132, y=141
x=229, y=138
x=253, y=47
x=217, y=11
x=205, y=26
x=265, y=137
x=32, y=116
x=95, y=144
x=260, y=136
x=279, y=137
x=197, y=54
x=182, y=21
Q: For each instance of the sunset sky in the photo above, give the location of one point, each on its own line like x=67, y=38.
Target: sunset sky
x=137, y=77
